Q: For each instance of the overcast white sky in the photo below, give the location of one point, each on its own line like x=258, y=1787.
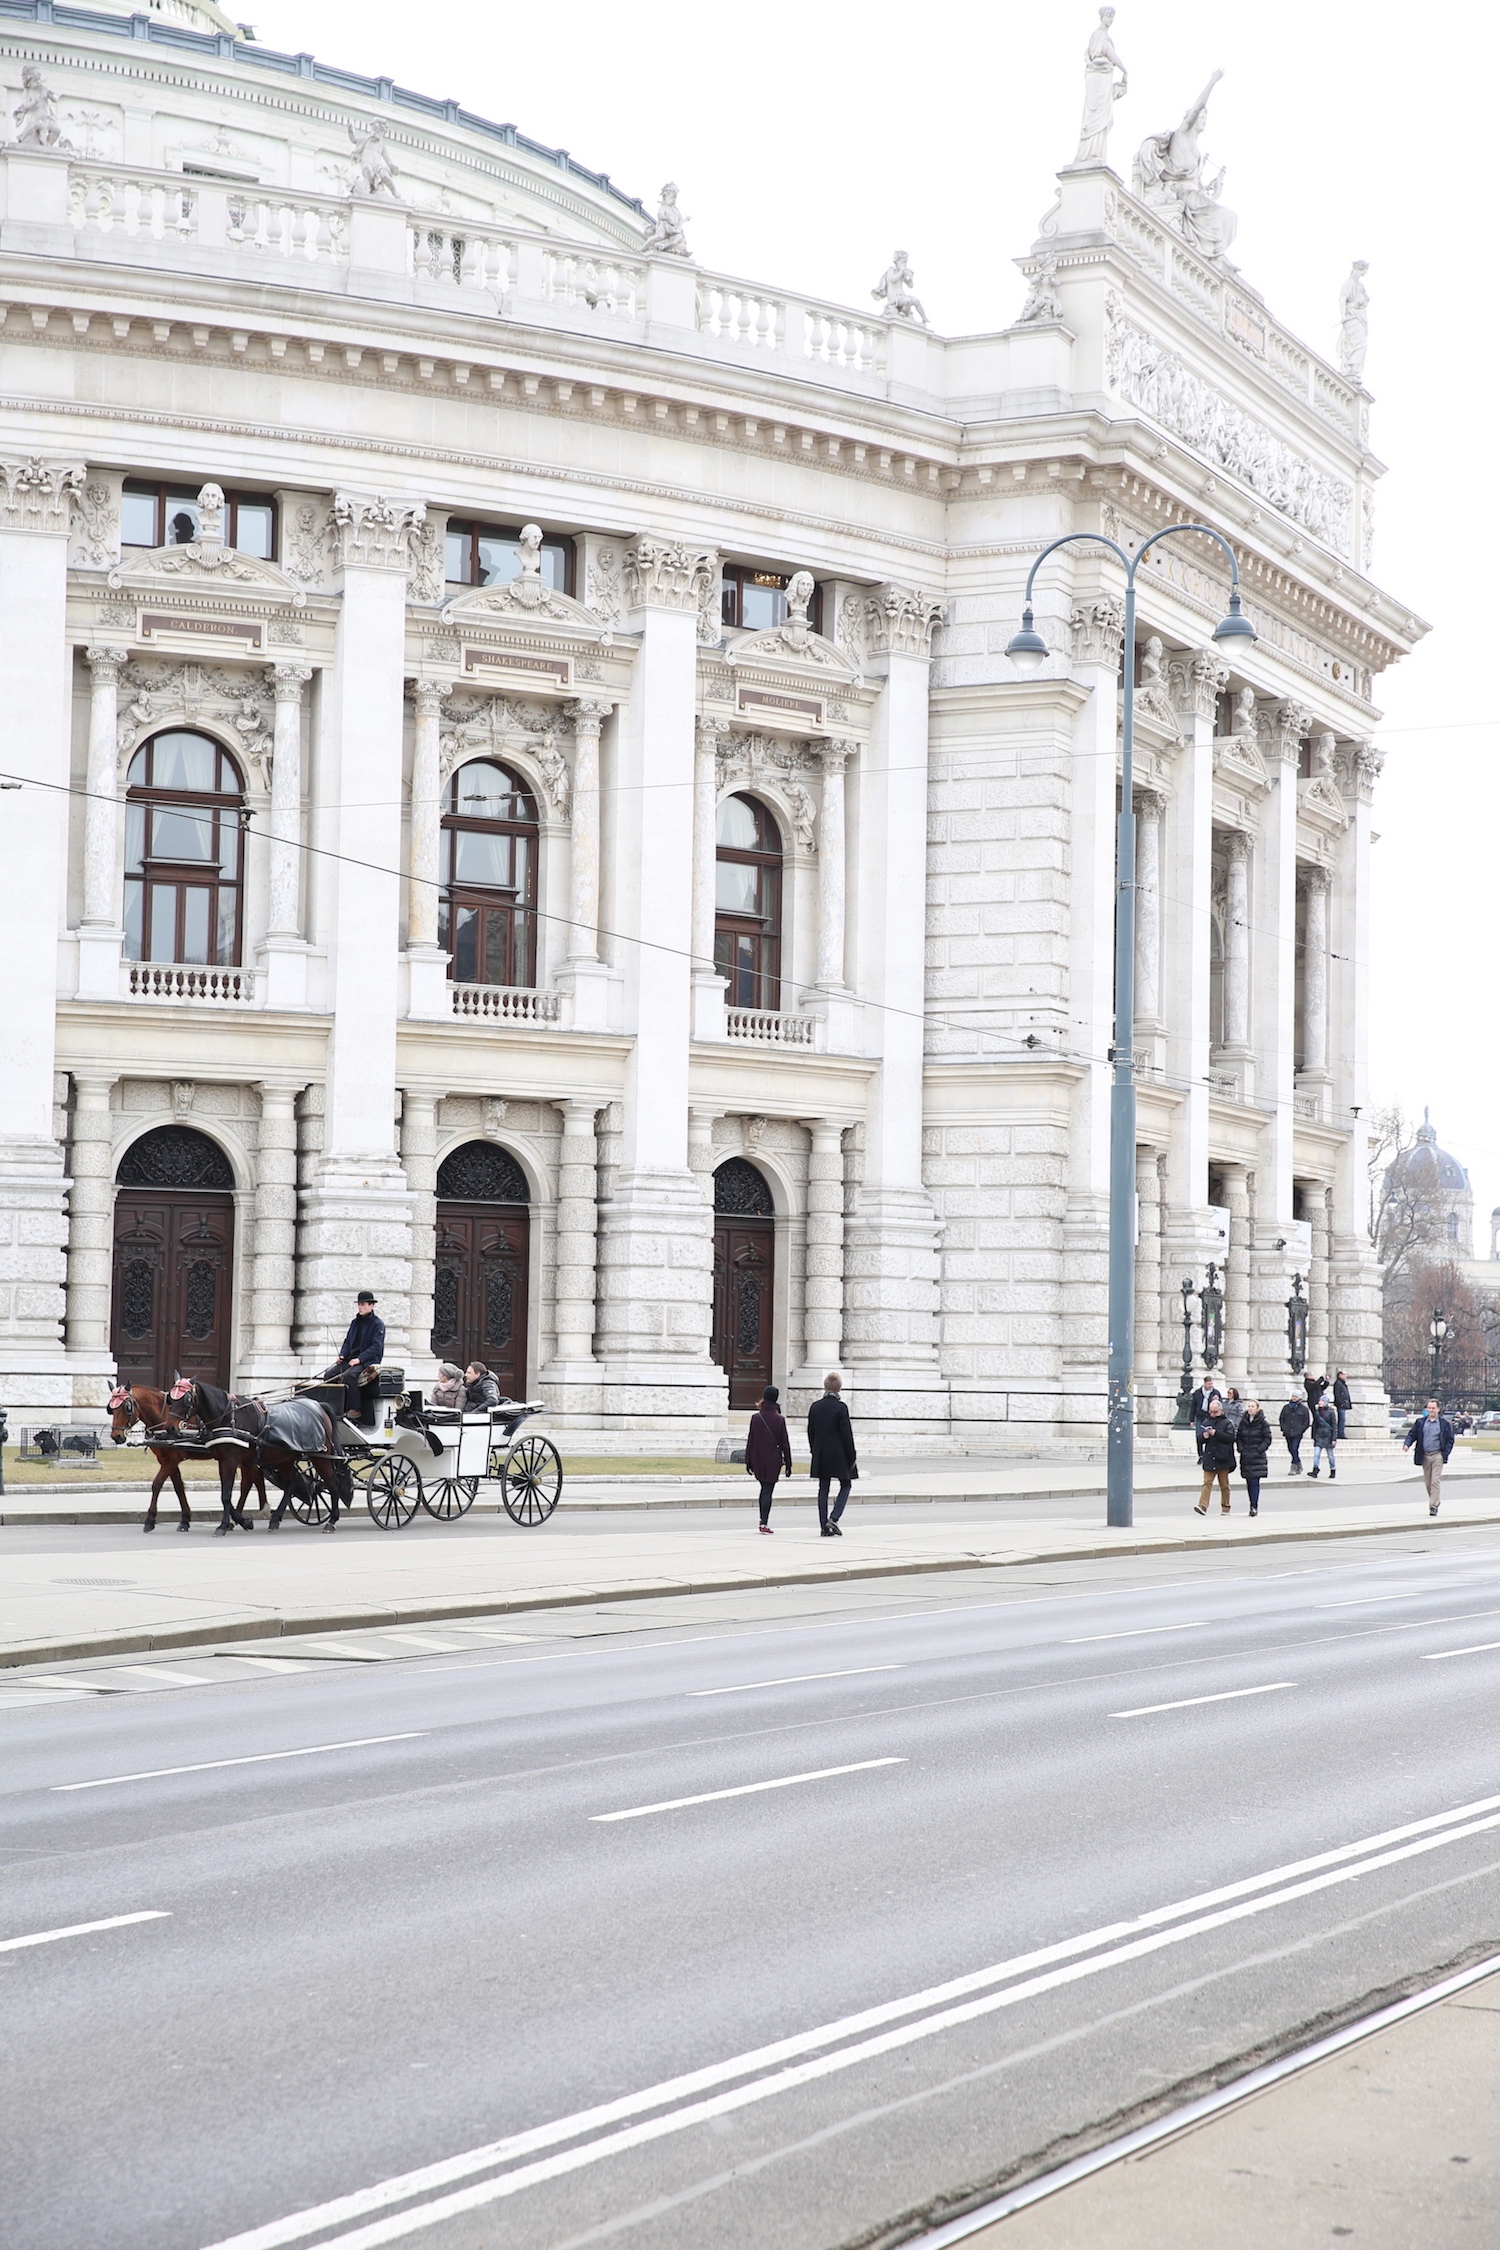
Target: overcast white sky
x=809, y=141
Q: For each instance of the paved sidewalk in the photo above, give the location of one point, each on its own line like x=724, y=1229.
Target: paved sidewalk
x=1393, y=2144
x=71, y=1591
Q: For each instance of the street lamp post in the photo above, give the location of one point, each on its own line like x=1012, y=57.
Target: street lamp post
x=1437, y=1329
x=1028, y=651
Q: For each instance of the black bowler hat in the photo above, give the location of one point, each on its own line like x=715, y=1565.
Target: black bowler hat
x=364, y=1298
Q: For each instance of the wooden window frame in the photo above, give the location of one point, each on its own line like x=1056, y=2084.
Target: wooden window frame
x=185, y=875
x=763, y=930
x=457, y=895
x=737, y=576
x=471, y=529
x=233, y=501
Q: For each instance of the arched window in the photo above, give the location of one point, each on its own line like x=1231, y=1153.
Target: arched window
x=747, y=925
x=488, y=916
x=183, y=852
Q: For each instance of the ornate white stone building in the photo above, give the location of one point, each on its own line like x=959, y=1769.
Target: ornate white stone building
x=523, y=804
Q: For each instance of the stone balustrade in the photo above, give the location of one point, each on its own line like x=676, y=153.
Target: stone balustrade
x=167, y=980
x=767, y=1027
x=505, y=1003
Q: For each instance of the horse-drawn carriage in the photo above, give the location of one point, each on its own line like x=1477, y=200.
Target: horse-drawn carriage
x=407, y=1455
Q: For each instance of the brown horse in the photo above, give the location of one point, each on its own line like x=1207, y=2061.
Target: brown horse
x=285, y=1439
x=135, y=1402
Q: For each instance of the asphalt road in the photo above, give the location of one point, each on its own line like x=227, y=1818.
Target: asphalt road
x=767, y=1929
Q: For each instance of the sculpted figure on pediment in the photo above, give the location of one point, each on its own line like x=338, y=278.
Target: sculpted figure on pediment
x=1169, y=173
x=794, y=637
x=667, y=238
x=1101, y=90
x=1152, y=697
x=36, y=113
x=527, y=595
x=374, y=174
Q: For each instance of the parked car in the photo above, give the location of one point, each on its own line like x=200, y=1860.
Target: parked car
x=1488, y=1422
x=1401, y=1421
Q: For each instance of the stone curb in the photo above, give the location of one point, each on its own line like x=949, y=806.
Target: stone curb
x=287, y=1623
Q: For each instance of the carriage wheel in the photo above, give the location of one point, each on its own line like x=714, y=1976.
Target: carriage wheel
x=450, y=1497
x=318, y=1506
x=531, y=1479
x=393, y=1491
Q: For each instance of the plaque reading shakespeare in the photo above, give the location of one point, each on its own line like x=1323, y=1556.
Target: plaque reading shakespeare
x=556, y=668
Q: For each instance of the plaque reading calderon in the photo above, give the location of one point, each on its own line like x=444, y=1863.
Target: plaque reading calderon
x=245, y=632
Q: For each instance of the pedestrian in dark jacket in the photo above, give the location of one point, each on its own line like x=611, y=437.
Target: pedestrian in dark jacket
x=1325, y=1431
x=1432, y=1435
x=1218, y=1456
x=1315, y=1386
x=1198, y=1408
x=480, y=1387
x=830, y=1442
x=1295, y=1418
x=768, y=1450
x=1253, y=1443
x=1341, y=1399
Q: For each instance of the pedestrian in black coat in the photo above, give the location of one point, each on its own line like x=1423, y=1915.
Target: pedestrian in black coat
x=1218, y=1456
x=1253, y=1442
x=1341, y=1399
x=1295, y=1417
x=1325, y=1432
x=1315, y=1386
x=830, y=1442
x=1198, y=1408
x=768, y=1450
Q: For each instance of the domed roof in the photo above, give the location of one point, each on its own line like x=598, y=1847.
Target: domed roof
x=1427, y=1169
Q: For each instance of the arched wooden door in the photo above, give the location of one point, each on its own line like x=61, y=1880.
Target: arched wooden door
x=479, y=1301
x=173, y=1260
x=744, y=1279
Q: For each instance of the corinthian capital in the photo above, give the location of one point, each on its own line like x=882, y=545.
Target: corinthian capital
x=900, y=620
x=37, y=495
x=1369, y=764
x=1098, y=629
x=666, y=574
x=427, y=696
x=106, y=663
x=288, y=681
x=589, y=713
x=1293, y=725
x=711, y=730
x=373, y=533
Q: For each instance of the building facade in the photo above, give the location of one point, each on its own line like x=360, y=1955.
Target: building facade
x=515, y=797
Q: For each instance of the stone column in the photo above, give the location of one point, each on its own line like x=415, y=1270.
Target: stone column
x=1355, y=1338
x=429, y=998
x=1315, y=975
x=832, y=873
x=274, y=1272
x=1237, y=941
x=1318, y=1338
x=356, y=1221
x=656, y=1252
x=1149, y=806
x=91, y=1208
x=284, y=951
x=99, y=933
x=419, y=1107
x=36, y=665
x=577, y=1244
x=823, y=1293
x=586, y=973
x=1147, y=1273
x=708, y=986
x=891, y=1269
x=1237, y=1292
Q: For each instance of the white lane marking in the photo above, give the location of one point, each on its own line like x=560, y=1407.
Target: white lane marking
x=1368, y=1601
x=425, y=1642
x=1136, y=1633
x=1481, y=1648
x=82, y=1929
x=157, y=1672
x=749, y=1789
x=1185, y=1703
x=797, y=1679
x=214, y=1765
x=273, y=1663
x=9, y=1702
x=401, y=2189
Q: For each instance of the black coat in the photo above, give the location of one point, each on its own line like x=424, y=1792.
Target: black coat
x=1198, y=1403
x=1315, y=1386
x=365, y=1340
x=1341, y=1398
x=1218, y=1443
x=1294, y=1419
x=1325, y=1424
x=1253, y=1437
x=830, y=1438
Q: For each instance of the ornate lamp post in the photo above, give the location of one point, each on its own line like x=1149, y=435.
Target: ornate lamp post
x=1296, y=1327
x=1437, y=1329
x=1182, y=1419
x=1028, y=651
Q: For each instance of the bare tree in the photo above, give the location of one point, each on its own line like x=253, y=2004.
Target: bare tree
x=1387, y=1136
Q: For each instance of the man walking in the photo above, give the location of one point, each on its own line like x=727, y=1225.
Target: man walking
x=830, y=1442
x=1341, y=1400
x=1432, y=1436
x=359, y=1358
x=1294, y=1419
x=1199, y=1404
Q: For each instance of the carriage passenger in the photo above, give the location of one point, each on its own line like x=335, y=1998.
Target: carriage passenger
x=448, y=1390
x=480, y=1387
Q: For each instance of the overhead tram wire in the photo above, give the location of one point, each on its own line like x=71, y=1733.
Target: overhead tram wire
x=1035, y=1047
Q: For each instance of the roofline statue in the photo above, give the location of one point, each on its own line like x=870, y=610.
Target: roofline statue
x=667, y=238
x=375, y=173
x=1169, y=174
x=1354, y=322
x=1101, y=90
x=897, y=291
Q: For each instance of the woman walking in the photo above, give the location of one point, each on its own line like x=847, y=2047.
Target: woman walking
x=1218, y=1457
x=1253, y=1442
x=1234, y=1407
x=1325, y=1434
x=768, y=1450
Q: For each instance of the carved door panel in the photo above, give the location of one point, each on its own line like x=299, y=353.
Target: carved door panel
x=173, y=1276
x=744, y=1291
x=479, y=1292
